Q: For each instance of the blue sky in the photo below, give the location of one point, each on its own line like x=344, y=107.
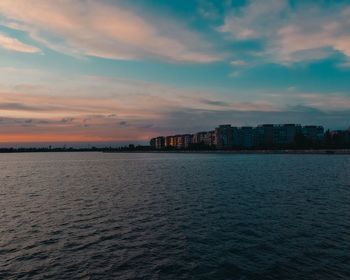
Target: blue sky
x=108, y=70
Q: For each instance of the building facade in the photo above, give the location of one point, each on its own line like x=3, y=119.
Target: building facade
x=264, y=135
x=224, y=137
x=313, y=133
x=158, y=143
x=285, y=134
x=246, y=137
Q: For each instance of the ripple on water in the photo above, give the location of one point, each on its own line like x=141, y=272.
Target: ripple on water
x=174, y=216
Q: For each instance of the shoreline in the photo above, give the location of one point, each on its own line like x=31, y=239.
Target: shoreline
x=253, y=152
x=258, y=152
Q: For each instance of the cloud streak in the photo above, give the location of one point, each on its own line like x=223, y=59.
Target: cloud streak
x=100, y=29
x=306, y=31
x=14, y=44
x=127, y=110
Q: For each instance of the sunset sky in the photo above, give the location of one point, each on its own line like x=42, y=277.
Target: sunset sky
x=84, y=70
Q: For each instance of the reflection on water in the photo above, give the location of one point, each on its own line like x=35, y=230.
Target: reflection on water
x=174, y=216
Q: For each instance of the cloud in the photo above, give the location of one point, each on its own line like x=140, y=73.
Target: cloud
x=100, y=29
x=128, y=110
x=13, y=44
x=207, y=9
x=67, y=120
x=123, y=123
x=306, y=31
x=329, y=102
x=95, y=128
x=10, y=106
x=238, y=62
x=345, y=64
x=214, y=102
x=191, y=120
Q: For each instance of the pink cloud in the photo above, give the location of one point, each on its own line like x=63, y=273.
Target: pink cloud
x=13, y=44
x=95, y=28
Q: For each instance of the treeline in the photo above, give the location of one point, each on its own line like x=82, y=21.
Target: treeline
x=331, y=140
x=129, y=148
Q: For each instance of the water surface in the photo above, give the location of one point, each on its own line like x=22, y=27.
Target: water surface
x=174, y=216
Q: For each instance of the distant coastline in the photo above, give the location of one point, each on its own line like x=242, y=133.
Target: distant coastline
x=147, y=149
x=253, y=152
x=264, y=137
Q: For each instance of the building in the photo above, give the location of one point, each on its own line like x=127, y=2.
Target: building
x=246, y=137
x=284, y=134
x=209, y=138
x=263, y=136
x=167, y=143
x=157, y=143
x=187, y=140
x=224, y=137
x=199, y=137
x=340, y=138
x=152, y=143
x=313, y=133
x=178, y=141
x=206, y=138
x=173, y=141
x=182, y=141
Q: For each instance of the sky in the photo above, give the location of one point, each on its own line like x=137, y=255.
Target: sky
x=126, y=71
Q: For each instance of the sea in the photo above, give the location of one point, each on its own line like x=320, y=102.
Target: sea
x=174, y=216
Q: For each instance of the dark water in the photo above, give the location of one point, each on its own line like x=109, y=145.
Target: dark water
x=174, y=216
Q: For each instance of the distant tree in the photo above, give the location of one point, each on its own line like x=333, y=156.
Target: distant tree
x=200, y=147
x=300, y=140
x=131, y=147
x=328, y=139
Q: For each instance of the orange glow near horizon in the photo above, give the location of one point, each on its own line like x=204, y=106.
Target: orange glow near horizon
x=54, y=138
